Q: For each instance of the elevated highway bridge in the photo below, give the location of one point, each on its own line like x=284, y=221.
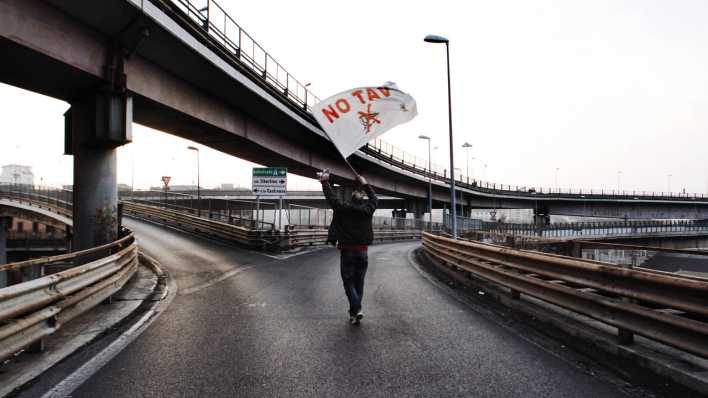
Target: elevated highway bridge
x=194, y=73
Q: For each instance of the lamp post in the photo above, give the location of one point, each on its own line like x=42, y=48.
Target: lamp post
x=557, y=189
x=304, y=106
x=619, y=178
x=437, y=40
x=462, y=209
x=199, y=191
x=467, y=147
x=430, y=183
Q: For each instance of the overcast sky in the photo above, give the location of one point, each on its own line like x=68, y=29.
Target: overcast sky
x=589, y=87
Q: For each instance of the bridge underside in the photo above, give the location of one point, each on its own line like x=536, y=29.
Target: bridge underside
x=62, y=49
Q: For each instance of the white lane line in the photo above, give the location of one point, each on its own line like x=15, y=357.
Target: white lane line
x=214, y=281
x=83, y=373
x=76, y=379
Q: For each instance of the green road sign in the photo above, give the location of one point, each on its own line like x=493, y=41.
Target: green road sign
x=271, y=181
x=270, y=171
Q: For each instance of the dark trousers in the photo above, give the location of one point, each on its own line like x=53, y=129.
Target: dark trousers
x=353, y=267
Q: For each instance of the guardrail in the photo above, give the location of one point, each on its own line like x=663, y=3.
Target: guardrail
x=249, y=237
x=57, y=200
x=667, y=308
x=32, y=310
x=243, y=213
x=586, y=229
x=293, y=236
x=301, y=236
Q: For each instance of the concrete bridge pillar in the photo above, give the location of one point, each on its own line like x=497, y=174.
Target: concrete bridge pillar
x=5, y=223
x=418, y=208
x=541, y=218
x=95, y=127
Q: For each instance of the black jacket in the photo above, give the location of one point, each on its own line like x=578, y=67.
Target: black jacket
x=351, y=222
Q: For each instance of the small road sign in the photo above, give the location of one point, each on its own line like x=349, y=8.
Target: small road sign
x=269, y=181
x=166, y=181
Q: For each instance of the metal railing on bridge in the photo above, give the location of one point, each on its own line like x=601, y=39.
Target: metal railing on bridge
x=56, y=199
x=237, y=45
x=668, y=308
x=249, y=214
x=596, y=229
x=389, y=153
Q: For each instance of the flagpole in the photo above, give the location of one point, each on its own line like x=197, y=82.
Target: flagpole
x=351, y=167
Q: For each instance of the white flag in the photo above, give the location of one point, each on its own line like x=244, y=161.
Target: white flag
x=354, y=117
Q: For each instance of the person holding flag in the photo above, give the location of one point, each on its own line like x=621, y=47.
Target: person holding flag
x=351, y=228
x=351, y=119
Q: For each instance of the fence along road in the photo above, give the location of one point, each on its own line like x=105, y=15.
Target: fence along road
x=667, y=308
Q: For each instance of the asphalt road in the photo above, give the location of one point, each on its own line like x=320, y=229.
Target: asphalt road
x=280, y=328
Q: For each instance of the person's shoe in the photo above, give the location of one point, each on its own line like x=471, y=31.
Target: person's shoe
x=352, y=320
x=358, y=317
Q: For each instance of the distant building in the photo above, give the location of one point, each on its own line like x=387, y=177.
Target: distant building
x=124, y=187
x=227, y=187
x=17, y=174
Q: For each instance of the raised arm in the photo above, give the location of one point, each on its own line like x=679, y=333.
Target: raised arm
x=373, y=201
x=332, y=199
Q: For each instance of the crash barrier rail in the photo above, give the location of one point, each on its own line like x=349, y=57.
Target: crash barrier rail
x=605, y=228
x=249, y=214
x=667, y=308
x=56, y=200
x=249, y=237
x=33, y=310
x=303, y=236
x=292, y=236
x=308, y=217
x=235, y=45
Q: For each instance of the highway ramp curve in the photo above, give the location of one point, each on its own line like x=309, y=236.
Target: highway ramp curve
x=248, y=324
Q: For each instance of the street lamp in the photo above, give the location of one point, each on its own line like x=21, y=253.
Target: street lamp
x=619, y=176
x=199, y=192
x=557, y=189
x=430, y=183
x=460, y=197
x=438, y=40
x=304, y=106
x=467, y=147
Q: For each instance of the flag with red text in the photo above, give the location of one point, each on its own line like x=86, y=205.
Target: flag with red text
x=354, y=117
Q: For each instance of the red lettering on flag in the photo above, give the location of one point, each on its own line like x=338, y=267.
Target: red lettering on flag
x=330, y=113
x=372, y=94
x=343, y=105
x=358, y=95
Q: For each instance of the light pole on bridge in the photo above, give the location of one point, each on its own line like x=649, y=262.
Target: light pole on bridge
x=467, y=147
x=557, y=189
x=619, y=178
x=199, y=192
x=430, y=183
x=438, y=40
